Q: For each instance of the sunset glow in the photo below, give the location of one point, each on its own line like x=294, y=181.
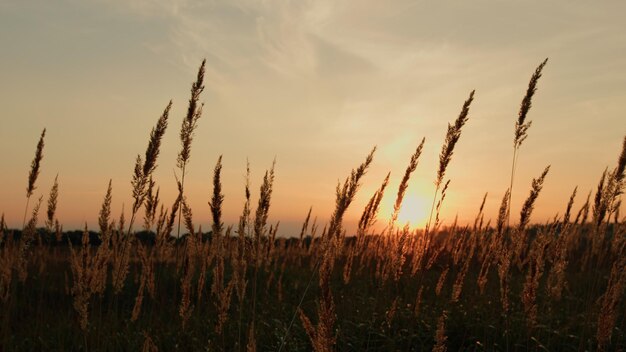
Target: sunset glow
x=312, y=175
x=414, y=211
x=315, y=85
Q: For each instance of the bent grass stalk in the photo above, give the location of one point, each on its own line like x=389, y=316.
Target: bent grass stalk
x=190, y=122
x=522, y=126
x=452, y=137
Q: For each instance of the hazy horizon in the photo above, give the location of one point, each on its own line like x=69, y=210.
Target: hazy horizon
x=316, y=85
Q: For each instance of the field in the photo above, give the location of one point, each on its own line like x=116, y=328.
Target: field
x=511, y=285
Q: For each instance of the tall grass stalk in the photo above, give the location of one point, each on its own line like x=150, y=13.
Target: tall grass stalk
x=194, y=112
x=404, y=184
x=322, y=336
x=259, y=231
x=141, y=177
x=142, y=174
x=240, y=265
x=452, y=137
x=34, y=173
x=52, y=205
x=522, y=126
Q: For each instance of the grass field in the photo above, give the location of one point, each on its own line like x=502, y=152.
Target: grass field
x=510, y=285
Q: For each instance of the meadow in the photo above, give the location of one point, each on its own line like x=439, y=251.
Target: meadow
x=149, y=279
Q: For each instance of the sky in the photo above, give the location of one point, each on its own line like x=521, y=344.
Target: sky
x=314, y=85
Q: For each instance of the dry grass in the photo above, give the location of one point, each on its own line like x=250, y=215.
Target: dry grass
x=553, y=285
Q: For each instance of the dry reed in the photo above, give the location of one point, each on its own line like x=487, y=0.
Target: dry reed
x=521, y=125
x=190, y=122
x=322, y=336
x=34, y=172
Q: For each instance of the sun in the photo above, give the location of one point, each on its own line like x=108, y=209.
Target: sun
x=414, y=210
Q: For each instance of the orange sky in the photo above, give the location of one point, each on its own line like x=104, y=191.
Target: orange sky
x=314, y=84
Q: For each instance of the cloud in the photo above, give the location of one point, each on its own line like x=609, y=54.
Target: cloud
x=238, y=35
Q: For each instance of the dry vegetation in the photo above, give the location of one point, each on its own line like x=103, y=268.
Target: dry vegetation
x=555, y=286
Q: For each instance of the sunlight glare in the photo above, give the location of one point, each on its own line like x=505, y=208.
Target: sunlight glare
x=414, y=210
